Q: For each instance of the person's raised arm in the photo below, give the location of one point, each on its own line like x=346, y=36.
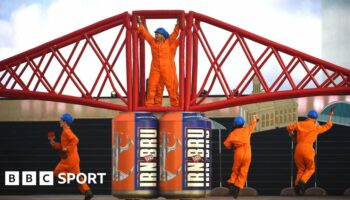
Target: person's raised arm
x=144, y=32
x=323, y=128
x=252, y=124
x=175, y=32
x=177, y=42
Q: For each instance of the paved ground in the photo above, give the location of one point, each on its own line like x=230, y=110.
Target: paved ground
x=108, y=197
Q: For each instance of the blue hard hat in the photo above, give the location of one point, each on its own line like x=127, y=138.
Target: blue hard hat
x=312, y=114
x=238, y=121
x=67, y=118
x=163, y=32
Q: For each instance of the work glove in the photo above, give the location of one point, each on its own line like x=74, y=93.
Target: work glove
x=51, y=135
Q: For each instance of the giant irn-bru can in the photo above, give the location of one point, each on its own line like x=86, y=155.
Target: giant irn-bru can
x=134, y=157
x=208, y=155
x=184, y=155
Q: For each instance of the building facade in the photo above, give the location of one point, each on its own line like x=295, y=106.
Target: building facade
x=272, y=114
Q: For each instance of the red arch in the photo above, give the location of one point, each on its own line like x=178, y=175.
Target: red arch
x=131, y=90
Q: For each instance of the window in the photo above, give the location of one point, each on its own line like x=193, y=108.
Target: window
x=263, y=121
x=267, y=120
x=271, y=119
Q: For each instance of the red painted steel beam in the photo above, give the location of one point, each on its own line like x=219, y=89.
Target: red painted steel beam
x=16, y=78
x=270, y=97
x=142, y=56
x=19, y=76
x=182, y=62
x=252, y=63
x=128, y=53
x=214, y=61
x=238, y=88
x=158, y=14
x=194, y=63
x=189, y=47
x=328, y=76
x=20, y=94
x=159, y=109
x=188, y=69
x=284, y=68
x=193, y=101
x=267, y=42
x=135, y=63
x=139, y=57
x=65, y=40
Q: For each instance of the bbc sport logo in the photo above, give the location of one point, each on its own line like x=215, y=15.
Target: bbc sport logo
x=46, y=178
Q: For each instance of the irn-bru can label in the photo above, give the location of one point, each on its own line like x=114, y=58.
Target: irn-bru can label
x=123, y=140
x=194, y=154
x=170, y=152
x=184, y=153
x=146, y=129
x=134, y=161
x=208, y=154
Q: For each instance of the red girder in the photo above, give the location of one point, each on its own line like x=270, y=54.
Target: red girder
x=54, y=89
x=201, y=68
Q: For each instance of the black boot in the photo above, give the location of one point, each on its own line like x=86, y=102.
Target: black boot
x=231, y=188
x=88, y=195
x=235, y=191
x=301, y=186
x=297, y=190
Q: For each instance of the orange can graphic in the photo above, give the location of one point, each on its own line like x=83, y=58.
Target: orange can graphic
x=184, y=159
x=134, y=157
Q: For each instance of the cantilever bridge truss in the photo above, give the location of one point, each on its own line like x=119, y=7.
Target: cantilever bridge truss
x=110, y=56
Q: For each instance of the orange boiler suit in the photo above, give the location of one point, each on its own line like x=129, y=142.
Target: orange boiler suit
x=239, y=139
x=71, y=164
x=159, y=94
x=161, y=67
x=304, y=156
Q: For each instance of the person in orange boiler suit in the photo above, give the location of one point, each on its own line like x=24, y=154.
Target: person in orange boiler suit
x=239, y=139
x=304, y=155
x=159, y=93
x=70, y=161
x=161, y=65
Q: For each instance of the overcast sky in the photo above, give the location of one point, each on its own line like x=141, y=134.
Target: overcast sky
x=28, y=23
x=25, y=24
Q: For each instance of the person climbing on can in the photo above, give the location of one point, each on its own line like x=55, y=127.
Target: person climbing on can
x=304, y=155
x=68, y=147
x=161, y=65
x=239, y=139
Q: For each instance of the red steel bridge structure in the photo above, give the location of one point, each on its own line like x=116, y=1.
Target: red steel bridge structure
x=59, y=70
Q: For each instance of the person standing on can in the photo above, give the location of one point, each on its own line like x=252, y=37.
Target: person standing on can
x=239, y=139
x=70, y=160
x=304, y=156
x=159, y=93
x=161, y=66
